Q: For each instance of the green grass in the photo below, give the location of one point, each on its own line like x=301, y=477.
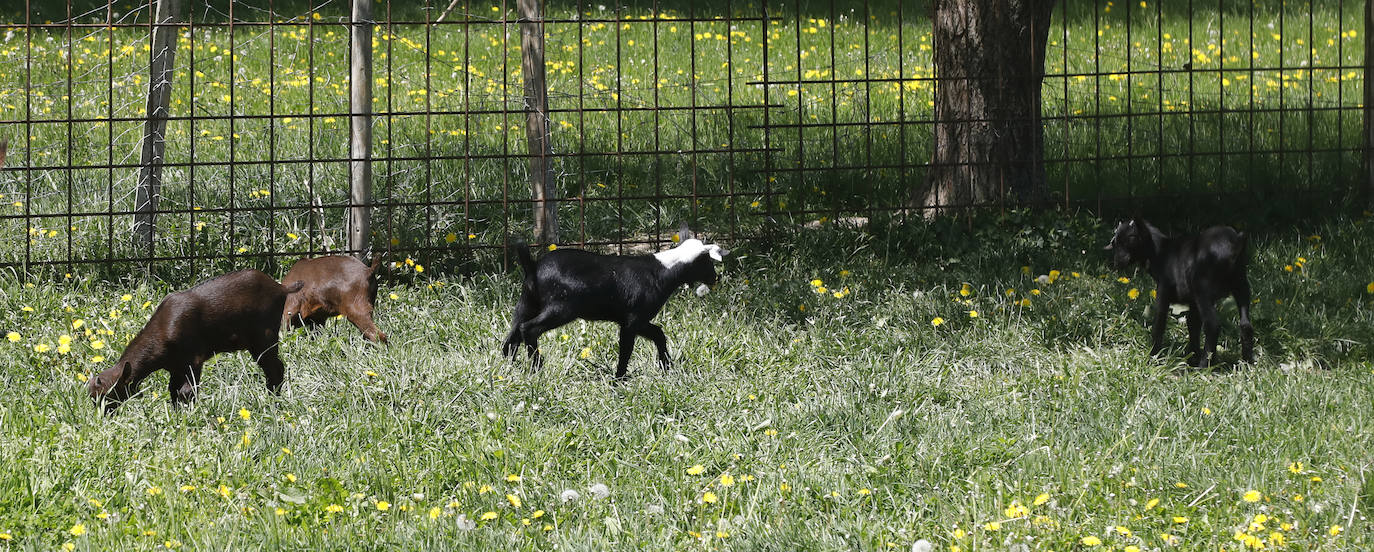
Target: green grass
x=1212, y=130
x=853, y=423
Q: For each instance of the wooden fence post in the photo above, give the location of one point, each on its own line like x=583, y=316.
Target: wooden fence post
x=163, y=48
x=537, y=122
x=360, y=130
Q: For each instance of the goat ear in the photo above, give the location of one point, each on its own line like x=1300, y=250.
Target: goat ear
x=683, y=232
x=717, y=254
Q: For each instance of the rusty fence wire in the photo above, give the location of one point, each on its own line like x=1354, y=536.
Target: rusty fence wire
x=738, y=117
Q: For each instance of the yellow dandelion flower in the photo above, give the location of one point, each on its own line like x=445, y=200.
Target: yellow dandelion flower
x=992, y=526
x=727, y=480
x=696, y=470
x=1295, y=467
x=245, y=414
x=1040, y=500
x=79, y=529
x=383, y=505
x=488, y=516
x=1091, y=541
x=1133, y=294
x=1252, y=496
x=965, y=291
x=709, y=497
x=13, y=337
x=513, y=500
x=937, y=321
x=973, y=314
x=333, y=508
x=513, y=478
x=1333, y=531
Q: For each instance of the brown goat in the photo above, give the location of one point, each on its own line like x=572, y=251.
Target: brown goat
x=333, y=286
x=237, y=311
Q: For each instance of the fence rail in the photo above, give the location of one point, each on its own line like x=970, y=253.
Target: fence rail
x=738, y=117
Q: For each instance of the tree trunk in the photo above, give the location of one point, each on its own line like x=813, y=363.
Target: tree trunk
x=989, y=141
x=537, y=122
x=164, y=47
x=360, y=130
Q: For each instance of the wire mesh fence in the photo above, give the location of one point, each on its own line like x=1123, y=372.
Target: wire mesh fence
x=738, y=117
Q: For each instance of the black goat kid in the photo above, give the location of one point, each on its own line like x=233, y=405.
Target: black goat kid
x=567, y=284
x=1196, y=271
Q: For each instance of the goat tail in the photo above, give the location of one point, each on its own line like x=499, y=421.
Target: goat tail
x=293, y=287
x=521, y=252
x=522, y=255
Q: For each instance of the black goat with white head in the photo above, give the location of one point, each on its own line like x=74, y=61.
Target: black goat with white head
x=1197, y=271
x=567, y=284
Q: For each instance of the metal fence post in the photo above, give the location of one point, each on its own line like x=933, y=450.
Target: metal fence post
x=1368, y=105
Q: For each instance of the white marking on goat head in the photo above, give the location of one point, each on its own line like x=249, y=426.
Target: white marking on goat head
x=688, y=251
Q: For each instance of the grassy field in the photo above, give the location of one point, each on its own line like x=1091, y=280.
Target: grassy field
x=981, y=384
x=1269, y=107
x=983, y=390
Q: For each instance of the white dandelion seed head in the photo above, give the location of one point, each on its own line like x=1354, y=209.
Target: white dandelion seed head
x=599, y=491
x=1043, y=279
x=653, y=509
x=466, y=524
x=569, y=495
x=922, y=545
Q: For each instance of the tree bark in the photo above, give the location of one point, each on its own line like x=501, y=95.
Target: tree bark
x=537, y=122
x=989, y=140
x=146, y=192
x=360, y=131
